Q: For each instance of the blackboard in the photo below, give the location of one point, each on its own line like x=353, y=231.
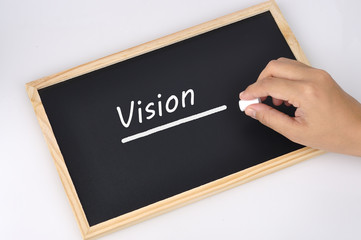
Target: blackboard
x=97, y=117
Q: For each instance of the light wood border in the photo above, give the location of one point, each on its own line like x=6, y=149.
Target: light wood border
x=192, y=195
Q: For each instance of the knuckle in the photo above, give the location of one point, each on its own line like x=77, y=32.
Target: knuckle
x=323, y=76
x=264, y=82
x=265, y=117
x=310, y=89
x=272, y=64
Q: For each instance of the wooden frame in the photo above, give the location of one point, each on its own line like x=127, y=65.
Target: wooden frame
x=185, y=197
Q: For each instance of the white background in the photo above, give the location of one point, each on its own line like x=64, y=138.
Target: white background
x=317, y=199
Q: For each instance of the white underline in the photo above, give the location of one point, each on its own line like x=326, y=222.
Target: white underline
x=173, y=124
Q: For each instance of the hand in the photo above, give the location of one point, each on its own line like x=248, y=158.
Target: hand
x=326, y=117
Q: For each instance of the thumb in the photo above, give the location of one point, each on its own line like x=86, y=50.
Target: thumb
x=272, y=118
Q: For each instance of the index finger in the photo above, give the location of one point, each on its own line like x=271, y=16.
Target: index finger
x=286, y=69
x=283, y=89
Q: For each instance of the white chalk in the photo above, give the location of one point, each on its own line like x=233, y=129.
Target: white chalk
x=243, y=104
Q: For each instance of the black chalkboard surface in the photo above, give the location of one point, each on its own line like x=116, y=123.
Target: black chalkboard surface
x=113, y=178
x=94, y=116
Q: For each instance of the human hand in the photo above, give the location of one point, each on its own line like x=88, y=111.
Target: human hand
x=326, y=117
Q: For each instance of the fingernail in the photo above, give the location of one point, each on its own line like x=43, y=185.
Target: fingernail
x=240, y=95
x=250, y=112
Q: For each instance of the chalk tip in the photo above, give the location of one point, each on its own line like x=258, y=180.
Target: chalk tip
x=243, y=104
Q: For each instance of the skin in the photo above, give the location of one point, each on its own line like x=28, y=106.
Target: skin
x=326, y=117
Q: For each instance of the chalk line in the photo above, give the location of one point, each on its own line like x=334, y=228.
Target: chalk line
x=175, y=123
